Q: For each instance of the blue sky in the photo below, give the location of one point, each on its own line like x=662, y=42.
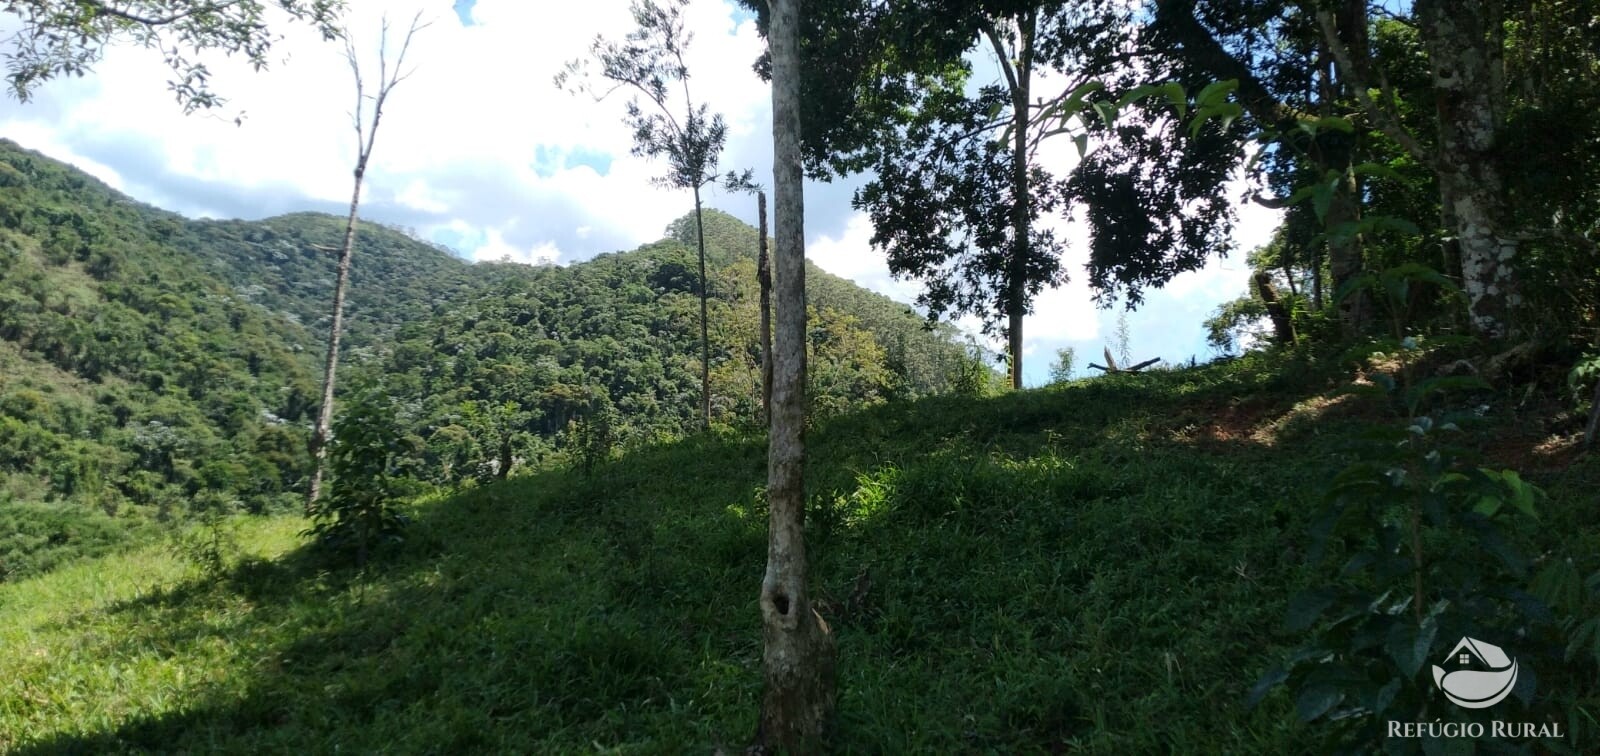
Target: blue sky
x=481, y=152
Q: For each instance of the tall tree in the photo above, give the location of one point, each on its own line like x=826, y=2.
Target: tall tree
x=959, y=189
x=1286, y=83
x=366, y=134
x=1499, y=189
x=70, y=36
x=798, y=661
x=649, y=61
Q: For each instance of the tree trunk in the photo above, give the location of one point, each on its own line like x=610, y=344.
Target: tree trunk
x=1593, y=430
x=1282, y=323
x=1336, y=151
x=1345, y=254
x=1465, y=43
x=705, y=343
x=798, y=660
x=319, y=435
x=1020, y=210
x=764, y=277
x=504, y=470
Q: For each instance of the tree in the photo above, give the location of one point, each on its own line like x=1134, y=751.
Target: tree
x=70, y=36
x=798, y=661
x=959, y=190
x=365, y=136
x=1284, y=80
x=1466, y=47
x=1065, y=365
x=649, y=61
x=954, y=203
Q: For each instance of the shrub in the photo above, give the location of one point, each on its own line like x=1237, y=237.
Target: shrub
x=359, y=509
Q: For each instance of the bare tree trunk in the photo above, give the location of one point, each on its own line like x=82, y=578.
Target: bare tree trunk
x=364, y=140
x=764, y=277
x=705, y=342
x=319, y=435
x=1020, y=210
x=798, y=661
x=1465, y=43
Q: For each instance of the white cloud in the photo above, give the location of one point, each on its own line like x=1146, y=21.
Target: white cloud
x=495, y=248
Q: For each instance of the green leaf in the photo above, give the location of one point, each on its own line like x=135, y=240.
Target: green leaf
x=1081, y=141
x=1559, y=585
x=1137, y=93
x=1322, y=199
x=1306, y=607
x=1444, y=383
x=1074, y=101
x=1336, y=123
x=1363, y=281
x=1107, y=112
x=1408, y=645
x=1522, y=493
x=1316, y=700
x=1215, y=92
x=1272, y=679
x=1376, y=169
x=1177, y=98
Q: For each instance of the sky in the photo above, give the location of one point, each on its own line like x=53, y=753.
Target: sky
x=480, y=151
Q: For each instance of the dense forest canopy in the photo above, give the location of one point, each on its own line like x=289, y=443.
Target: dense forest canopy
x=152, y=359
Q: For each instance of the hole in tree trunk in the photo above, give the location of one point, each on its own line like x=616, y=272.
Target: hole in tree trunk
x=782, y=603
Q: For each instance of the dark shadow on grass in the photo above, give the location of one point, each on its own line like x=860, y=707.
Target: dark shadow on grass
x=1015, y=584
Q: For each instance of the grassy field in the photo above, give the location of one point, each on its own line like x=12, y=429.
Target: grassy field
x=1099, y=566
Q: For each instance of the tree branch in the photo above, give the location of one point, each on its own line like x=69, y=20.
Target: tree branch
x=102, y=9
x=1386, y=119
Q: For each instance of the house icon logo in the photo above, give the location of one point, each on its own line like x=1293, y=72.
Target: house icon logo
x=1482, y=674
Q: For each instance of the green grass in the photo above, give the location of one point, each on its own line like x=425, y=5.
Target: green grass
x=1102, y=566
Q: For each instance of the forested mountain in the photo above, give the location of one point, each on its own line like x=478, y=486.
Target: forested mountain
x=151, y=360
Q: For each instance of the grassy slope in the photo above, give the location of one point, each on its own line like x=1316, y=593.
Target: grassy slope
x=1102, y=565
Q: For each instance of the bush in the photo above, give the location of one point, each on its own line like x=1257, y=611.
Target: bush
x=359, y=509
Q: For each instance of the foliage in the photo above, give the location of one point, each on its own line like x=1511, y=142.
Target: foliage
x=68, y=37
x=148, y=359
x=650, y=62
x=211, y=544
x=1066, y=362
x=1580, y=379
x=132, y=377
x=361, y=508
x=1429, y=544
x=37, y=538
x=1011, y=575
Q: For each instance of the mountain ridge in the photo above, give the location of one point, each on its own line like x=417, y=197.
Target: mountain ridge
x=155, y=365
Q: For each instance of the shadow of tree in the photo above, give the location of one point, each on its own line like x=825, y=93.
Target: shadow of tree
x=1028, y=572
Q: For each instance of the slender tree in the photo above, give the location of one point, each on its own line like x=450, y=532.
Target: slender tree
x=798, y=661
x=764, y=279
x=960, y=190
x=68, y=37
x=366, y=134
x=648, y=62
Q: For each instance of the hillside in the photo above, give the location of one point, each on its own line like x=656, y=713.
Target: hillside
x=1101, y=566
x=153, y=366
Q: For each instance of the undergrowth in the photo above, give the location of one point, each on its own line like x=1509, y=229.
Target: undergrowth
x=1102, y=565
